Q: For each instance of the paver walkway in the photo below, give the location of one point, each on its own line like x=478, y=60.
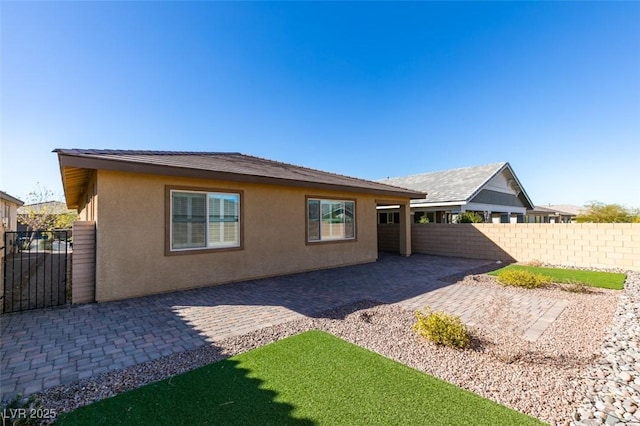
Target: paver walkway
x=42, y=349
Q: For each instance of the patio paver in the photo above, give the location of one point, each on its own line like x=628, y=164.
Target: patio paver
x=45, y=348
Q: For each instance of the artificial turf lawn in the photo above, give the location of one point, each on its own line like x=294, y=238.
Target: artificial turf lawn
x=312, y=378
x=608, y=280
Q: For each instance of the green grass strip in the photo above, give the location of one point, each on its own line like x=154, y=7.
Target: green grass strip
x=610, y=280
x=312, y=378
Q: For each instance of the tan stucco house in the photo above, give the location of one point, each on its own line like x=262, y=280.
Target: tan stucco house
x=167, y=221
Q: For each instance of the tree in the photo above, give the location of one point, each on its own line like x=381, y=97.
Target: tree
x=42, y=213
x=38, y=213
x=597, y=212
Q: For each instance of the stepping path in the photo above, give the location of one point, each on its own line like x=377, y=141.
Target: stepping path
x=44, y=348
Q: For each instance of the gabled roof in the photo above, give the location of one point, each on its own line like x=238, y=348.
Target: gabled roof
x=458, y=185
x=76, y=166
x=563, y=209
x=11, y=199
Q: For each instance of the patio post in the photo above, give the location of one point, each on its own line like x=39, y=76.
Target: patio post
x=405, y=229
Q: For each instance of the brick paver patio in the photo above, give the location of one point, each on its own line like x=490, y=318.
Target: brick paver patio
x=45, y=348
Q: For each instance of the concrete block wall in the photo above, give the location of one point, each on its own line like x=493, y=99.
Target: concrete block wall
x=600, y=245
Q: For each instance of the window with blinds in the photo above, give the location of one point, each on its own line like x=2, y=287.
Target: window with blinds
x=330, y=220
x=204, y=220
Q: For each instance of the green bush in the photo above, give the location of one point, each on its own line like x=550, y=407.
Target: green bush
x=442, y=328
x=522, y=278
x=469, y=217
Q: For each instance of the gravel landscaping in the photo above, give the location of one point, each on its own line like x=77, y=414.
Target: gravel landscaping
x=567, y=376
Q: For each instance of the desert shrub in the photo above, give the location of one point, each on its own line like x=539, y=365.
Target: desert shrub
x=442, y=328
x=535, y=262
x=521, y=278
x=469, y=217
x=576, y=287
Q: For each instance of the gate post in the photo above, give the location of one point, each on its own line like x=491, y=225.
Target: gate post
x=83, y=262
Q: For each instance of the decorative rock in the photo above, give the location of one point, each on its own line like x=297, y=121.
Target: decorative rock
x=625, y=376
x=611, y=420
x=618, y=396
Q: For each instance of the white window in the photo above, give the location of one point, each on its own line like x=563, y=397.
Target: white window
x=330, y=220
x=201, y=220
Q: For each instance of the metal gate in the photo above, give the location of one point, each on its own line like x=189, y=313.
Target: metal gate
x=35, y=269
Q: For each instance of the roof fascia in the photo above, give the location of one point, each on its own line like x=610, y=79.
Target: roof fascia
x=521, y=187
x=136, y=167
x=479, y=188
x=436, y=204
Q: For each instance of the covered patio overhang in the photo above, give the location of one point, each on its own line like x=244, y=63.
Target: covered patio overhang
x=404, y=208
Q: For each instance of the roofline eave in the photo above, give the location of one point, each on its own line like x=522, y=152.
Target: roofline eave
x=93, y=163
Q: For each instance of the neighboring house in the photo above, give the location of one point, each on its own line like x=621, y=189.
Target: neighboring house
x=492, y=190
x=8, y=223
x=552, y=214
x=9, y=216
x=167, y=221
x=53, y=208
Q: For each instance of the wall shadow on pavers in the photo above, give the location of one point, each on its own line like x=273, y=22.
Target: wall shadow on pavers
x=263, y=302
x=41, y=349
x=220, y=393
x=44, y=348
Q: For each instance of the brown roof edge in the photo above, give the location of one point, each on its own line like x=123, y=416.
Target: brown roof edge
x=89, y=159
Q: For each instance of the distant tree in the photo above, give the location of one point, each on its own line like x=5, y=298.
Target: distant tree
x=42, y=212
x=39, y=215
x=65, y=220
x=597, y=212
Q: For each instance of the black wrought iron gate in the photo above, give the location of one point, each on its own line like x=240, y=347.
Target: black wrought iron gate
x=35, y=269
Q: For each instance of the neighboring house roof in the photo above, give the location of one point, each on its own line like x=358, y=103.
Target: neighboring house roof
x=567, y=208
x=50, y=207
x=459, y=185
x=550, y=210
x=76, y=166
x=11, y=199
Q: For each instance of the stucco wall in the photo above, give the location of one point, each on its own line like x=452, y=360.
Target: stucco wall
x=604, y=245
x=130, y=237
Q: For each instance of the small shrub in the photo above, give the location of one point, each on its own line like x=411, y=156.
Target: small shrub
x=469, y=217
x=424, y=219
x=442, y=328
x=521, y=278
x=535, y=262
x=576, y=287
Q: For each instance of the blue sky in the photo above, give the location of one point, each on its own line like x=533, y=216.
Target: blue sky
x=365, y=89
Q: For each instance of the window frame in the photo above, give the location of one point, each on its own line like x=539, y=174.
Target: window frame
x=308, y=241
x=206, y=191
